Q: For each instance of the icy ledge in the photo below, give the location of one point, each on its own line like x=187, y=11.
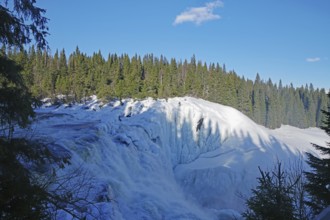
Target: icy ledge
x=181, y=158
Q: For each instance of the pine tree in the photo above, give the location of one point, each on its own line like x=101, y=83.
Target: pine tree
x=322, y=103
x=318, y=179
x=25, y=190
x=259, y=101
x=165, y=79
x=63, y=80
x=272, y=199
x=119, y=79
x=19, y=197
x=53, y=74
x=281, y=104
x=150, y=76
x=244, y=93
x=190, y=77
x=133, y=76
x=272, y=105
x=199, y=81
x=15, y=100
x=215, y=79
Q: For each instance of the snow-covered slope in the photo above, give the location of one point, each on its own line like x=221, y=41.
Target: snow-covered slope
x=181, y=158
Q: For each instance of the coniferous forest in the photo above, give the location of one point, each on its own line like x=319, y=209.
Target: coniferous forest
x=120, y=76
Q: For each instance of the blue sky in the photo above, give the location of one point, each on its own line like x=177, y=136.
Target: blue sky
x=287, y=39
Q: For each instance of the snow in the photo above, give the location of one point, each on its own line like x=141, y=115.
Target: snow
x=324, y=215
x=181, y=158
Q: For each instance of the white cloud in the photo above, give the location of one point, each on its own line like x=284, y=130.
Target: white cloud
x=313, y=59
x=198, y=15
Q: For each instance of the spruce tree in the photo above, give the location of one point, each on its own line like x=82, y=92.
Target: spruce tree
x=62, y=81
x=20, y=198
x=259, y=101
x=318, y=178
x=24, y=192
x=244, y=94
x=272, y=199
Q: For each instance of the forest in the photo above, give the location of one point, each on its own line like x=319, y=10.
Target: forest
x=120, y=76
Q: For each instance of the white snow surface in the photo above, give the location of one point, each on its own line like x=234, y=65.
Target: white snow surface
x=181, y=158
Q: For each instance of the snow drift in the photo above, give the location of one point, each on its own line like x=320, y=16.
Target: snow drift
x=181, y=158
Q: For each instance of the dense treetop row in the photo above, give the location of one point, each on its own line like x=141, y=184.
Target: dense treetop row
x=121, y=76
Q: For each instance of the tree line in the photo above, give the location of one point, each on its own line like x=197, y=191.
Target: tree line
x=121, y=76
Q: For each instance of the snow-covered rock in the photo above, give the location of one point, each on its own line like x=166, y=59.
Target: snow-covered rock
x=181, y=158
